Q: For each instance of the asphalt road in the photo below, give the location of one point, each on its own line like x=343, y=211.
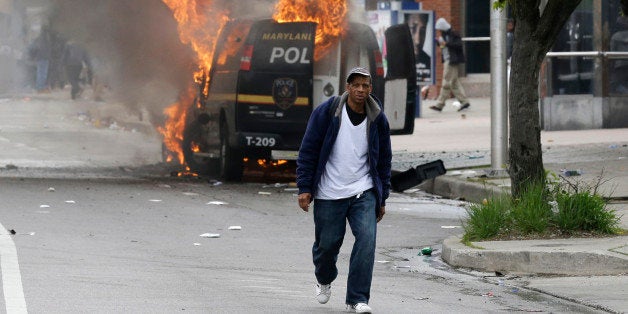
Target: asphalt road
x=135, y=246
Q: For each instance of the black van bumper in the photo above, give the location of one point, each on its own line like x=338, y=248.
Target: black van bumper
x=269, y=145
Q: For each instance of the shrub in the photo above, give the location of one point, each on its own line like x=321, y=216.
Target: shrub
x=486, y=220
x=532, y=213
x=562, y=207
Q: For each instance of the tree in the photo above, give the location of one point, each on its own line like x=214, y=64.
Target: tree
x=537, y=24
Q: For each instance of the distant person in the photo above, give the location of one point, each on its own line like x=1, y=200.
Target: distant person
x=344, y=168
x=619, y=69
x=75, y=59
x=40, y=51
x=452, y=55
x=56, y=75
x=510, y=39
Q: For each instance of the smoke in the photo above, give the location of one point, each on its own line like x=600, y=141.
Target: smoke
x=135, y=45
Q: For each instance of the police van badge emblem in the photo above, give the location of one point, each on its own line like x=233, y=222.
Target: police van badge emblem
x=284, y=92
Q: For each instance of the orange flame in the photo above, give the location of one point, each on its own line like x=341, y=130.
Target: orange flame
x=199, y=25
x=330, y=15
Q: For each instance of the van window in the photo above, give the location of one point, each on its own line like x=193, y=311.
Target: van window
x=229, y=53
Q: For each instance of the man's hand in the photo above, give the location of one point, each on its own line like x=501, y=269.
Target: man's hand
x=304, y=201
x=380, y=213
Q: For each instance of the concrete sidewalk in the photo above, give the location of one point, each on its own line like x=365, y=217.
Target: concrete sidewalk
x=462, y=141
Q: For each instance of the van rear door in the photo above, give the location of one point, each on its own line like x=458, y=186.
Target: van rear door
x=274, y=94
x=400, y=95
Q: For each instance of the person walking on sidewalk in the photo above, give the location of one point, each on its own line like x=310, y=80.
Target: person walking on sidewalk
x=452, y=55
x=343, y=167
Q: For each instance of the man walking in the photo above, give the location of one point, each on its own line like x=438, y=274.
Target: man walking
x=451, y=48
x=344, y=168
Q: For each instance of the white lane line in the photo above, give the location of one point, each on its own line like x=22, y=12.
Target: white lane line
x=11, y=278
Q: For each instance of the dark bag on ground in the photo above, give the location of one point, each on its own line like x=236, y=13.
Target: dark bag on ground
x=414, y=176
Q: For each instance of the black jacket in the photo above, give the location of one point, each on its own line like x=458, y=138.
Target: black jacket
x=454, y=44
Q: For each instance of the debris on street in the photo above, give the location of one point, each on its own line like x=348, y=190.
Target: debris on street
x=210, y=235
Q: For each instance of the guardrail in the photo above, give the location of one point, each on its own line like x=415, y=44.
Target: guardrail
x=592, y=54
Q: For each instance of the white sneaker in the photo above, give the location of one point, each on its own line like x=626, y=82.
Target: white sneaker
x=361, y=308
x=323, y=292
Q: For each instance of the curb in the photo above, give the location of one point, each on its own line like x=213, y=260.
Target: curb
x=455, y=188
x=593, y=263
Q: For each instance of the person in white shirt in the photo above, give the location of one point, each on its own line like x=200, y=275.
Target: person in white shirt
x=344, y=168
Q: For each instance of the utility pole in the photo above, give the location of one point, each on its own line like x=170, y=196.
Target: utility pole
x=499, y=93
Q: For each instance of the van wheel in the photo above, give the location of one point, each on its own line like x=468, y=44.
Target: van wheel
x=231, y=164
x=193, y=134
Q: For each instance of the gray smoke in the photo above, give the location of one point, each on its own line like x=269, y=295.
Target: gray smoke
x=136, y=47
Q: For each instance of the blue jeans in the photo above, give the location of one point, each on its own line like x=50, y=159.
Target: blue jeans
x=330, y=218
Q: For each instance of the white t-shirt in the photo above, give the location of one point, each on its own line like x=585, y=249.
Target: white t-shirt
x=347, y=171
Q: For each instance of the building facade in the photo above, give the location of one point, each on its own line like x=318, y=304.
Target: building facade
x=584, y=82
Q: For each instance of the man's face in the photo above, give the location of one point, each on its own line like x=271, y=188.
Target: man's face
x=359, y=89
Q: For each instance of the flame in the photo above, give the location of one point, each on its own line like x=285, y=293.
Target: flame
x=330, y=15
x=199, y=23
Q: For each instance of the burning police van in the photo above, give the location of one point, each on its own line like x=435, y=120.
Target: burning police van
x=265, y=80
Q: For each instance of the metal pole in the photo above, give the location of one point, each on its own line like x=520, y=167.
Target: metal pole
x=499, y=92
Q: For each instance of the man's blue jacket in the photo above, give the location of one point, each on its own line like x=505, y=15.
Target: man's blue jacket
x=320, y=136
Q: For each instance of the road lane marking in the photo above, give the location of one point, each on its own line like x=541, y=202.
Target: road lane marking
x=11, y=278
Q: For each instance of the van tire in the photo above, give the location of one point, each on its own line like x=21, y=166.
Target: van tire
x=231, y=164
x=191, y=134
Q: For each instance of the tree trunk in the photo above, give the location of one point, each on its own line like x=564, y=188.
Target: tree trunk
x=535, y=33
x=525, y=157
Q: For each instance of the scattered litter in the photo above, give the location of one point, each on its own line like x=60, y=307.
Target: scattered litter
x=490, y=295
x=12, y=231
x=469, y=173
x=382, y=262
x=474, y=156
x=421, y=299
x=155, y=201
x=426, y=251
x=463, y=116
x=167, y=186
x=31, y=233
x=449, y=227
x=10, y=167
x=51, y=189
x=291, y=189
x=196, y=244
x=70, y=202
x=411, y=190
x=570, y=173
x=235, y=227
x=190, y=193
x=514, y=290
x=44, y=206
x=264, y=193
x=210, y=235
x=216, y=203
x=276, y=185
x=215, y=182
x=402, y=266
x=613, y=146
